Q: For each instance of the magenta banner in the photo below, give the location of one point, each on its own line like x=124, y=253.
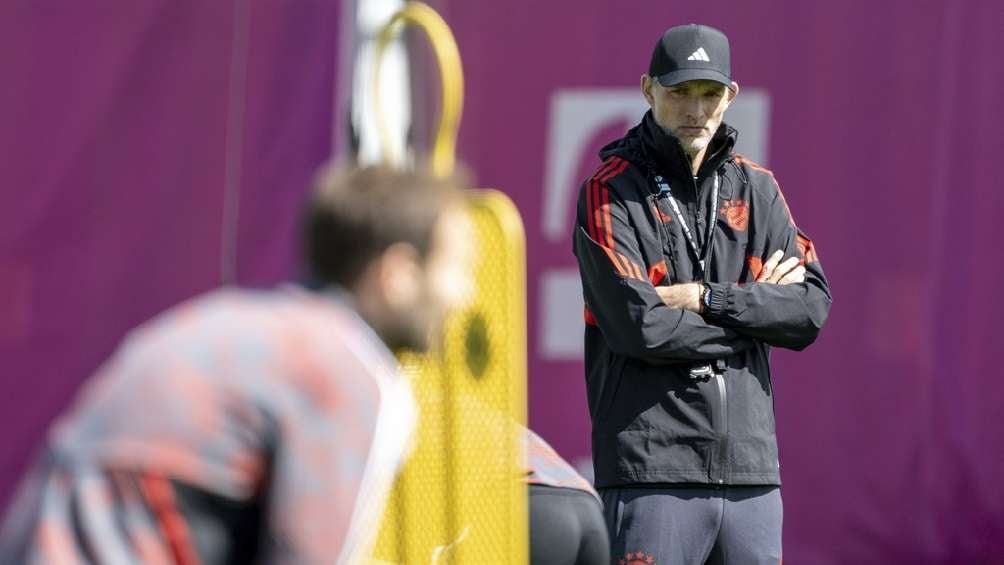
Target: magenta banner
x=152, y=150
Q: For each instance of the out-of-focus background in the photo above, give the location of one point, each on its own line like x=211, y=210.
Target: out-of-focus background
x=154, y=149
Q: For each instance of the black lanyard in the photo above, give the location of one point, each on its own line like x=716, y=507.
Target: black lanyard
x=699, y=254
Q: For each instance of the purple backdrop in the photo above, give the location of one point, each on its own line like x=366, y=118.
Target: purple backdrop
x=883, y=127
x=138, y=133
x=134, y=135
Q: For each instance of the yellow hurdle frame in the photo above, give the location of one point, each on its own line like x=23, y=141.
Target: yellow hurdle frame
x=460, y=497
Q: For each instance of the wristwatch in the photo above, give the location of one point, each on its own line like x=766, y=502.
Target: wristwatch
x=706, y=295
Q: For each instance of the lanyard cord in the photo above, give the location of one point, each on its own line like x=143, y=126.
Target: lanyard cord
x=692, y=242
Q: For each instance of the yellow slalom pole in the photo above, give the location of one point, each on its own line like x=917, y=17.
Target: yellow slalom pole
x=447, y=54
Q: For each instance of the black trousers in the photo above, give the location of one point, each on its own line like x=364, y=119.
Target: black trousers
x=566, y=528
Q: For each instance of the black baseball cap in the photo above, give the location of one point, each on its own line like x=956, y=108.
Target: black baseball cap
x=691, y=52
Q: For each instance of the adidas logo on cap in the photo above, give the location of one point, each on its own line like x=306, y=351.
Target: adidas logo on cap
x=699, y=55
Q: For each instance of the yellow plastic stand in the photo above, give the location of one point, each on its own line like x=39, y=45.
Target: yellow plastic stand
x=461, y=497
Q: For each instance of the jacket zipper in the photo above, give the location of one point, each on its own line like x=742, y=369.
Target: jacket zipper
x=723, y=419
x=723, y=441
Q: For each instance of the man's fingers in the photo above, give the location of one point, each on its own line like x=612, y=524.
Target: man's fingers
x=770, y=265
x=796, y=275
x=783, y=269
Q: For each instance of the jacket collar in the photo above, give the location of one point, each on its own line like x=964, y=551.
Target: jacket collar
x=662, y=154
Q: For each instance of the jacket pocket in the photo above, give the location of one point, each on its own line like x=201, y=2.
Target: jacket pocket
x=649, y=397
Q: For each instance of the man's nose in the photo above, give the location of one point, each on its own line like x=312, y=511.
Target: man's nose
x=694, y=106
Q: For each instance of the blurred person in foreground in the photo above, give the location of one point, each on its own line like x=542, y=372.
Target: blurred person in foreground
x=258, y=426
x=692, y=268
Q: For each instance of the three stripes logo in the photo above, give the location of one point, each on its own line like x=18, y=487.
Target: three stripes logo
x=699, y=55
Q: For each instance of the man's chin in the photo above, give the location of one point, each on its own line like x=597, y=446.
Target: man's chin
x=688, y=149
x=412, y=343
x=404, y=337
x=689, y=141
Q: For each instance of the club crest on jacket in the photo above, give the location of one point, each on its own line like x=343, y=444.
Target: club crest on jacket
x=737, y=214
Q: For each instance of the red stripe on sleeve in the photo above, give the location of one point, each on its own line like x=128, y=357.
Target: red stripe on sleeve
x=597, y=214
x=602, y=229
x=608, y=227
x=638, y=271
x=633, y=267
x=160, y=496
x=615, y=258
x=624, y=265
x=591, y=198
x=807, y=248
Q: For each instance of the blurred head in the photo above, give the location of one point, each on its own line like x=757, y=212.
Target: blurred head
x=689, y=84
x=398, y=241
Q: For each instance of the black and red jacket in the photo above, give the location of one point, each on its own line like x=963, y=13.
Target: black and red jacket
x=653, y=422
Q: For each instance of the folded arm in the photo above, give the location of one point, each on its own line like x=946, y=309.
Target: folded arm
x=783, y=315
x=632, y=317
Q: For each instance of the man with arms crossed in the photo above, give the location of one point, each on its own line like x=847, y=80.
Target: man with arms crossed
x=692, y=267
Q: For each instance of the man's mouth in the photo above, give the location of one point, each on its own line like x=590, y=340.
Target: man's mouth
x=691, y=130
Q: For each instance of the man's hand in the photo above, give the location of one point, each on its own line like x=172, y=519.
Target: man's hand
x=777, y=272
x=685, y=296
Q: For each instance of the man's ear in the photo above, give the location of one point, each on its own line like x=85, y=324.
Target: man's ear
x=732, y=91
x=646, y=89
x=399, y=275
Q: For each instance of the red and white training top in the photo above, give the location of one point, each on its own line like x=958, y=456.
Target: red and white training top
x=285, y=394
x=546, y=467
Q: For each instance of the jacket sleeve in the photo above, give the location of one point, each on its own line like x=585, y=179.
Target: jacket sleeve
x=630, y=314
x=788, y=316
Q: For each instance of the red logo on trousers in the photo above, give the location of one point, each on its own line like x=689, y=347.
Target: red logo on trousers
x=637, y=558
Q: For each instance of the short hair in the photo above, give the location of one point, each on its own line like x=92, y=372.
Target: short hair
x=355, y=213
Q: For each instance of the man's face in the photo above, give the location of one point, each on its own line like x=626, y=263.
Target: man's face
x=692, y=110
x=442, y=284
